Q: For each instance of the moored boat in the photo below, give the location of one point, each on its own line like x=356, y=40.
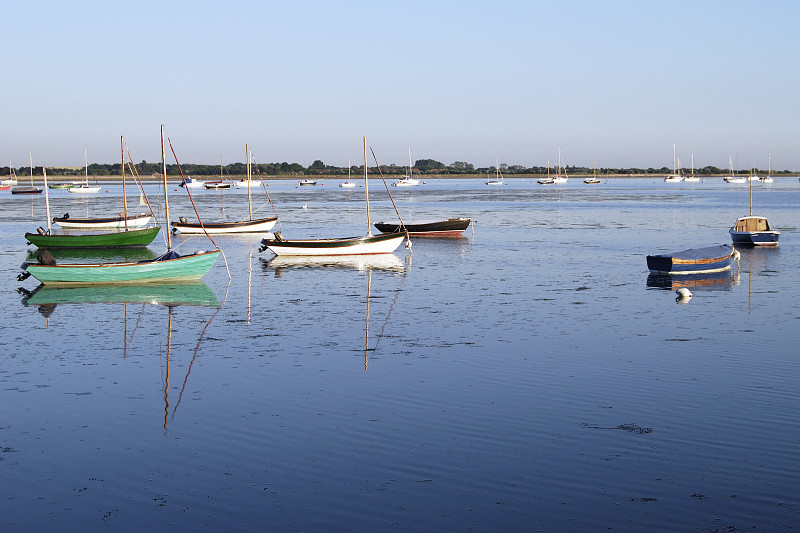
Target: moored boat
x=451, y=227
x=366, y=245
x=754, y=230
x=104, y=239
x=307, y=182
x=693, y=260
x=131, y=221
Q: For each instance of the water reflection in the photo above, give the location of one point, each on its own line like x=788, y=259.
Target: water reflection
x=171, y=294
x=387, y=262
x=712, y=281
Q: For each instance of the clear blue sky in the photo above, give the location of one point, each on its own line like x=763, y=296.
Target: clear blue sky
x=617, y=82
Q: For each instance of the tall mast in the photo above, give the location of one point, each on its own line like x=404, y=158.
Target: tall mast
x=124, y=194
x=46, y=198
x=30, y=157
x=166, y=201
x=366, y=186
x=750, y=186
x=249, y=204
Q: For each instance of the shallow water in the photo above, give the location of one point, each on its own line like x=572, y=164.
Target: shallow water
x=526, y=377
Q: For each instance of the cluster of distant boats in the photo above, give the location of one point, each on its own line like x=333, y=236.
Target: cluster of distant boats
x=135, y=231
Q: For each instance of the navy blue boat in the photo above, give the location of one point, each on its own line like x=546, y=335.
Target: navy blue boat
x=693, y=261
x=754, y=231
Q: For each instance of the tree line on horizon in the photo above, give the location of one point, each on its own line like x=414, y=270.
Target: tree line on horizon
x=318, y=168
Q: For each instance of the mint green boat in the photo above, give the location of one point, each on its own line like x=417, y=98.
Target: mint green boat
x=105, y=239
x=192, y=293
x=167, y=267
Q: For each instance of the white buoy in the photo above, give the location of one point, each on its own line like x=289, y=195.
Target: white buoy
x=684, y=295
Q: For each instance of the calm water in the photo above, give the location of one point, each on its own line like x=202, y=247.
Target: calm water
x=527, y=377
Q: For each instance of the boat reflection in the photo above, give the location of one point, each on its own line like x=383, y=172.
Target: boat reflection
x=387, y=262
x=96, y=255
x=194, y=293
x=724, y=280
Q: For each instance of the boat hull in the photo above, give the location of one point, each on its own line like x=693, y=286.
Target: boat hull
x=22, y=189
x=367, y=245
x=188, y=267
x=755, y=231
x=692, y=261
x=135, y=221
x=452, y=227
x=82, y=189
x=114, y=239
x=259, y=225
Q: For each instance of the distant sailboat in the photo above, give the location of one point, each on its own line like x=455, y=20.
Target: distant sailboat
x=733, y=178
x=768, y=178
x=594, y=179
x=348, y=184
x=675, y=177
x=499, y=177
x=27, y=189
x=691, y=177
x=84, y=187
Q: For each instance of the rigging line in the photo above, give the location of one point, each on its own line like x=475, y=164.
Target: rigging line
x=191, y=363
x=138, y=181
x=195, y=210
x=264, y=185
x=190, y=195
x=402, y=224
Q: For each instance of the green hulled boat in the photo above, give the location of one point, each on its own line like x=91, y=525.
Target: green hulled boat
x=168, y=267
x=109, y=239
x=60, y=186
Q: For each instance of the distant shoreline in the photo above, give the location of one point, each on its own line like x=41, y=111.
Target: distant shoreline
x=331, y=177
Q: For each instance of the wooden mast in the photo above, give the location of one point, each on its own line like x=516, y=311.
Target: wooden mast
x=124, y=195
x=366, y=186
x=46, y=198
x=166, y=201
x=249, y=202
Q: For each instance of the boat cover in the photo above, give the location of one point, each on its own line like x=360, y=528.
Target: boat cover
x=709, y=252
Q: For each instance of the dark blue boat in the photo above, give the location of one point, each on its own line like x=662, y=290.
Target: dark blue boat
x=693, y=261
x=755, y=231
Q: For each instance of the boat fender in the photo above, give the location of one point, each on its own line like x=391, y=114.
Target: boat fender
x=40, y=230
x=198, y=252
x=46, y=258
x=684, y=295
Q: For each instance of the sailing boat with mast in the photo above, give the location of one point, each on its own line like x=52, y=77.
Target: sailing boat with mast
x=753, y=230
x=594, y=179
x=168, y=267
x=251, y=225
x=368, y=244
x=768, y=178
x=349, y=184
x=733, y=178
x=27, y=189
x=410, y=180
x=129, y=237
x=560, y=179
x=675, y=177
x=85, y=188
x=498, y=180
x=691, y=178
